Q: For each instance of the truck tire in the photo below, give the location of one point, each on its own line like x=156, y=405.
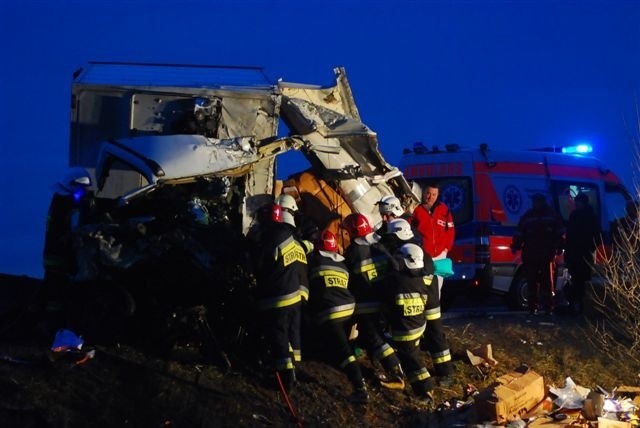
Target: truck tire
x=518, y=298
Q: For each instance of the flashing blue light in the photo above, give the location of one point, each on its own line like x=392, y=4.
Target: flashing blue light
x=579, y=149
x=79, y=193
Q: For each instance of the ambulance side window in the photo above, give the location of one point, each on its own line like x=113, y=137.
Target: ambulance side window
x=565, y=191
x=616, y=199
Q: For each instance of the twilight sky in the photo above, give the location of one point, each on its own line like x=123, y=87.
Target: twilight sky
x=514, y=74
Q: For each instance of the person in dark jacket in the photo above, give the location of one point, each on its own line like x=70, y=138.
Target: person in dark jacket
x=281, y=272
x=367, y=262
x=405, y=299
x=583, y=232
x=332, y=305
x=540, y=237
x=68, y=209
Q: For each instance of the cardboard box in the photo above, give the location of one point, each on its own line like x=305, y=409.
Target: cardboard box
x=511, y=396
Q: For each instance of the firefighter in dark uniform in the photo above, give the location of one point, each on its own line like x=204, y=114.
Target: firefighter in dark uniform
x=69, y=205
x=405, y=298
x=332, y=306
x=281, y=272
x=539, y=234
x=367, y=262
x=434, y=341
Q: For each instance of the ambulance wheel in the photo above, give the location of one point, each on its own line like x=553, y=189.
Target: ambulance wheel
x=519, y=293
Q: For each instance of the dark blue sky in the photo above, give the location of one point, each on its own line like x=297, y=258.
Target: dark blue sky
x=510, y=73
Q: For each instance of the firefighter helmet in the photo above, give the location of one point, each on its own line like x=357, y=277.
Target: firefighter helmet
x=401, y=228
x=357, y=225
x=288, y=218
x=328, y=242
x=412, y=255
x=390, y=205
x=269, y=213
x=287, y=202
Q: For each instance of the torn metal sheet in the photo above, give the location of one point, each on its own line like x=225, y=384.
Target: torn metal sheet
x=343, y=148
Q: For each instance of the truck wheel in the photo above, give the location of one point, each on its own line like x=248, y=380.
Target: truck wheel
x=519, y=293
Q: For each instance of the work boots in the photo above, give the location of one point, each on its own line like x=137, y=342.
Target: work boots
x=394, y=379
x=360, y=394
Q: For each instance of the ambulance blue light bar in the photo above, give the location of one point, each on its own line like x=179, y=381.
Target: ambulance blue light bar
x=580, y=149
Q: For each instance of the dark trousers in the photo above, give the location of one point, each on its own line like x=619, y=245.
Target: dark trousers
x=370, y=338
x=281, y=328
x=417, y=374
x=435, y=341
x=338, y=348
x=540, y=281
x=580, y=274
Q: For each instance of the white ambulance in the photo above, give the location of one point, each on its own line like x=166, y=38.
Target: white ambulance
x=487, y=192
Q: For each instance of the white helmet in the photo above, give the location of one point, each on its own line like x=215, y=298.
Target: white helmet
x=390, y=205
x=413, y=256
x=401, y=228
x=287, y=217
x=287, y=202
x=75, y=179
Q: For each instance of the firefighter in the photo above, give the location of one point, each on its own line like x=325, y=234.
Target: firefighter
x=69, y=206
x=434, y=221
x=405, y=298
x=281, y=272
x=306, y=230
x=332, y=305
x=434, y=340
x=583, y=232
x=539, y=235
x=289, y=214
x=390, y=208
x=367, y=263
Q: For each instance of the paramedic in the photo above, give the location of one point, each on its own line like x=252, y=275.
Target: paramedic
x=434, y=222
x=539, y=235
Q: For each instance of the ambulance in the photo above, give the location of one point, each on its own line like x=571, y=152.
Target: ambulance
x=487, y=191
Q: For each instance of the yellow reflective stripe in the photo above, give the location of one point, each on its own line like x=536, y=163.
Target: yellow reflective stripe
x=433, y=314
x=441, y=357
x=383, y=352
x=368, y=307
x=336, y=312
x=304, y=292
x=418, y=375
x=427, y=279
x=308, y=246
x=350, y=359
x=297, y=355
x=284, y=364
x=406, y=336
x=280, y=301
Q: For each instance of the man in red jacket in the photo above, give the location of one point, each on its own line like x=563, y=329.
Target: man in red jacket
x=433, y=220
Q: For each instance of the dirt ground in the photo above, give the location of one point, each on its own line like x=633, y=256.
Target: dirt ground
x=123, y=385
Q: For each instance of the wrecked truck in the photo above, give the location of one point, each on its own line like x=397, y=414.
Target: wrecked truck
x=183, y=156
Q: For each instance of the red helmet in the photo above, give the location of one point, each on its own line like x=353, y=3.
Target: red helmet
x=270, y=213
x=328, y=242
x=357, y=225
